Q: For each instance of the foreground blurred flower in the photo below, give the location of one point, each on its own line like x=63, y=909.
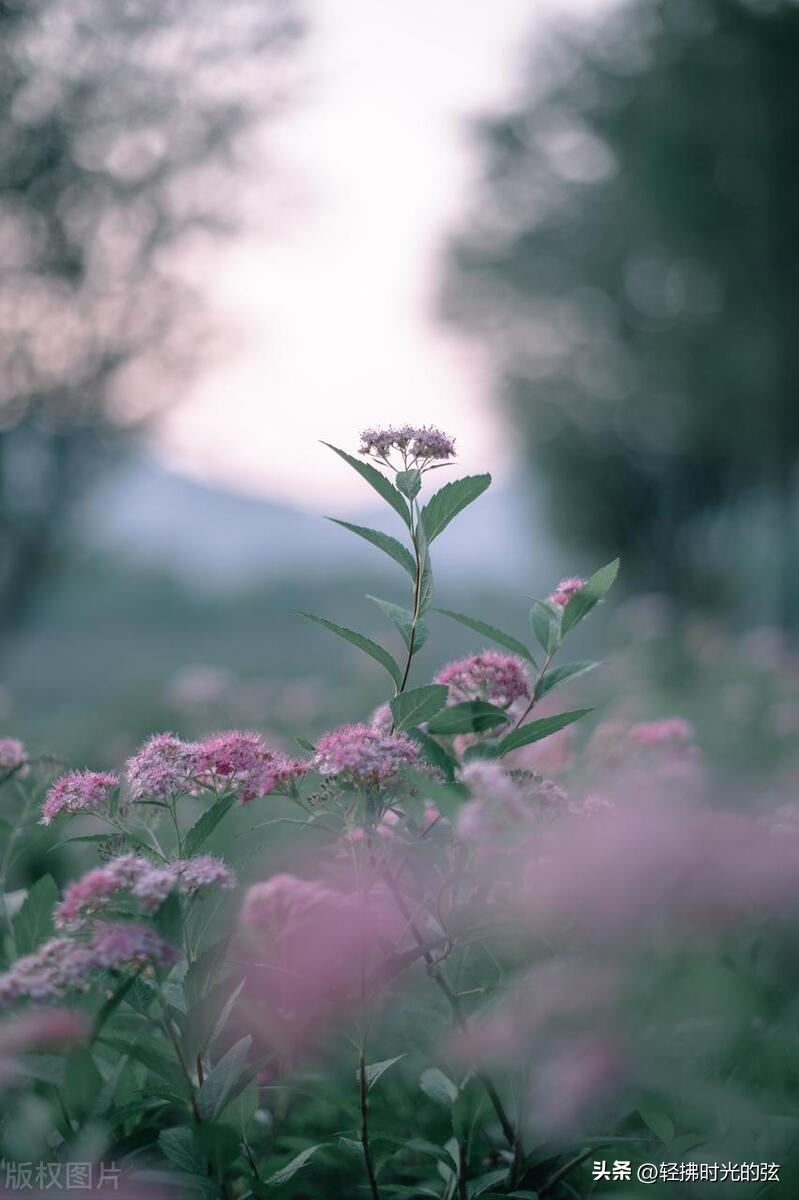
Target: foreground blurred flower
x=566, y=589
x=492, y=676
x=363, y=755
x=79, y=791
x=55, y=1027
x=64, y=964
x=144, y=881
x=672, y=733
x=13, y=755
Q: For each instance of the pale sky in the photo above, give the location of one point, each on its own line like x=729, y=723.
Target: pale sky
x=332, y=308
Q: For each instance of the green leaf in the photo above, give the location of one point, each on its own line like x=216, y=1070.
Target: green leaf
x=168, y=919
x=218, y=1143
x=409, y=482
x=179, y=1147
x=290, y=1170
x=492, y=633
x=536, y=730
x=449, y=500
x=479, y=1186
x=545, y=624
x=219, y=1084
x=438, y=1087
x=589, y=595
x=82, y=1081
x=413, y=708
x=389, y=545
x=559, y=675
x=151, y=1056
x=378, y=481
x=433, y=753
x=33, y=924
x=224, y=1013
x=656, y=1120
x=402, y=619
x=205, y=826
x=426, y=575
x=472, y=716
x=375, y=1070
x=112, y=1004
x=363, y=643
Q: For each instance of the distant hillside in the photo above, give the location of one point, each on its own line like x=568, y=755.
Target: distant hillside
x=223, y=539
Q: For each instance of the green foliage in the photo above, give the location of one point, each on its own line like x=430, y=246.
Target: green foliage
x=418, y=706
x=33, y=924
x=492, y=633
x=373, y=649
x=378, y=481
x=449, y=500
x=534, y=731
x=389, y=545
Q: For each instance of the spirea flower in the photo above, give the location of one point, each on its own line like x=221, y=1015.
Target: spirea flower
x=162, y=767
x=65, y=964
x=13, y=755
x=382, y=718
x=566, y=589
x=79, y=791
x=363, y=755
x=491, y=675
x=418, y=443
x=488, y=781
x=132, y=876
x=241, y=761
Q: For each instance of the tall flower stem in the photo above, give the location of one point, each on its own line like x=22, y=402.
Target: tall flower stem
x=537, y=685
x=364, y=1103
x=417, y=594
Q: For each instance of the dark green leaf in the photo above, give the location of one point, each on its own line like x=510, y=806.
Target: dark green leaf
x=389, y=545
x=112, y=1004
x=479, y=1186
x=168, y=919
x=426, y=574
x=205, y=826
x=438, y=1087
x=472, y=716
x=410, y=482
x=179, y=1146
x=224, y=1013
x=433, y=753
x=449, y=500
x=290, y=1170
x=402, y=619
x=589, y=594
x=417, y=706
x=492, y=633
x=151, y=1056
x=221, y=1080
x=559, y=675
x=33, y=924
x=363, y=643
x=536, y=730
x=655, y=1119
x=82, y=1081
x=545, y=624
x=378, y=481
x=375, y=1070
x=219, y=1144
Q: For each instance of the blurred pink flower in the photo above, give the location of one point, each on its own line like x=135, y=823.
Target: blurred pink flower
x=54, y=1027
x=79, y=791
x=576, y=1084
x=13, y=755
x=490, y=675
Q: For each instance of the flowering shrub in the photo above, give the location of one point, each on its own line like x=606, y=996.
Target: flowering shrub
x=457, y=979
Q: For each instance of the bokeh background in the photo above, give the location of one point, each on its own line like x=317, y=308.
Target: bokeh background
x=566, y=233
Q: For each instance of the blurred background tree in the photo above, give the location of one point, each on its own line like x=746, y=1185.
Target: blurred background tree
x=121, y=127
x=633, y=264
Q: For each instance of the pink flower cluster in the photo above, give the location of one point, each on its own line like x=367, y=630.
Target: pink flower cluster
x=283, y=900
x=363, y=755
x=491, y=675
x=145, y=882
x=235, y=760
x=13, y=755
x=55, y=1027
x=419, y=443
x=566, y=589
x=78, y=791
x=64, y=964
x=671, y=733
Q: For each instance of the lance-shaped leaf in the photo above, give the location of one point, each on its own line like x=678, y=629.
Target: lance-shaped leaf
x=290, y=1170
x=375, y=1070
x=219, y=1085
x=560, y=675
x=425, y=586
x=202, y=829
x=438, y=1086
x=389, y=545
x=433, y=753
x=363, y=643
x=472, y=716
x=536, y=730
x=402, y=619
x=378, y=481
x=491, y=632
x=449, y=500
x=413, y=708
x=545, y=624
x=588, y=595
x=33, y=922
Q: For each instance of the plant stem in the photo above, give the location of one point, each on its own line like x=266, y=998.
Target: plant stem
x=458, y=1014
x=539, y=680
x=367, y=1153
x=417, y=595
